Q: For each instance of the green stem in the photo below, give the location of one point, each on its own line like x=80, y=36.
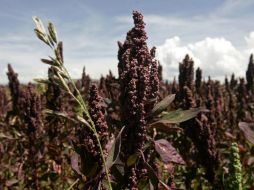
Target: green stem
x=90, y=123
x=104, y=161
x=72, y=185
x=85, y=110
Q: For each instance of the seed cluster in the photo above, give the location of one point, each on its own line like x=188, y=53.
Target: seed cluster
x=139, y=82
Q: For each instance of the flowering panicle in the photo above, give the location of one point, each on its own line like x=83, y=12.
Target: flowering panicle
x=198, y=80
x=242, y=96
x=109, y=87
x=186, y=73
x=138, y=77
x=241, y=91
x=31, y=116
x=137, y=68
x=30, y=104
x=14, y=87
x=54, y=93
x=87, y=141
x=232, y=105
x=233, y=82
x=54, y=101
x=234, y=180
x=155, y=76
x=198, y=129
x=174, y=87
x=250, y=74
x=97, y=112
x=226, y=84
x=85, y=82
x=188, y=100
x=112, y=86
x=3, y=102
x=160, y=68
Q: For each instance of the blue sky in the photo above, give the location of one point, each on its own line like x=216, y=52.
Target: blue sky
x=218, y=34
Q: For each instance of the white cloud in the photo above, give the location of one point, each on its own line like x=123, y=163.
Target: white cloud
x=250, y=40
x=217, y=57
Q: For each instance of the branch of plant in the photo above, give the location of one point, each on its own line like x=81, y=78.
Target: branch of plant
x=51, y=40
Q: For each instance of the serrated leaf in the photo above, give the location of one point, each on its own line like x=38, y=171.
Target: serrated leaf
x=114, y=150
x=179, y=116
x=162, y=105
x=248, y=131
x=167, y=152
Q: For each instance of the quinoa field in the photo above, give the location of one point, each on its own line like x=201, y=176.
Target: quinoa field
x=133, y=131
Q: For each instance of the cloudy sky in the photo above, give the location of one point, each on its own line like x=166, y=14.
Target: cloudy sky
x=217, y=34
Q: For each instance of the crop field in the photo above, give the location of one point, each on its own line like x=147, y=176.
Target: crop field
x=133, y=131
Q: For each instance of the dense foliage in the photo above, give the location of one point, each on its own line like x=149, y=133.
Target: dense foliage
x=135, y=131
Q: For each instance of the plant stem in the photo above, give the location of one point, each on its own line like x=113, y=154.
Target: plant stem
x=92, y=126
x=72, y=185
x=104, y=161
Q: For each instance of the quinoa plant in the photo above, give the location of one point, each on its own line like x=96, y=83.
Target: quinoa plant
x=234, y=180
x=139, y=82
x=14, y=87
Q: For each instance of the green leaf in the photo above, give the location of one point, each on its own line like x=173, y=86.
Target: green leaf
x=114, y=150
x=90, y=166
x=163, y=126
x=57, y=113
x=143, y=183
x=42, y=81
x=162, y=105
x=132, y=159
x=180, y=115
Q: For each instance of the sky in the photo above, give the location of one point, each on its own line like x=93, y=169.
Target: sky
x=217, y=34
